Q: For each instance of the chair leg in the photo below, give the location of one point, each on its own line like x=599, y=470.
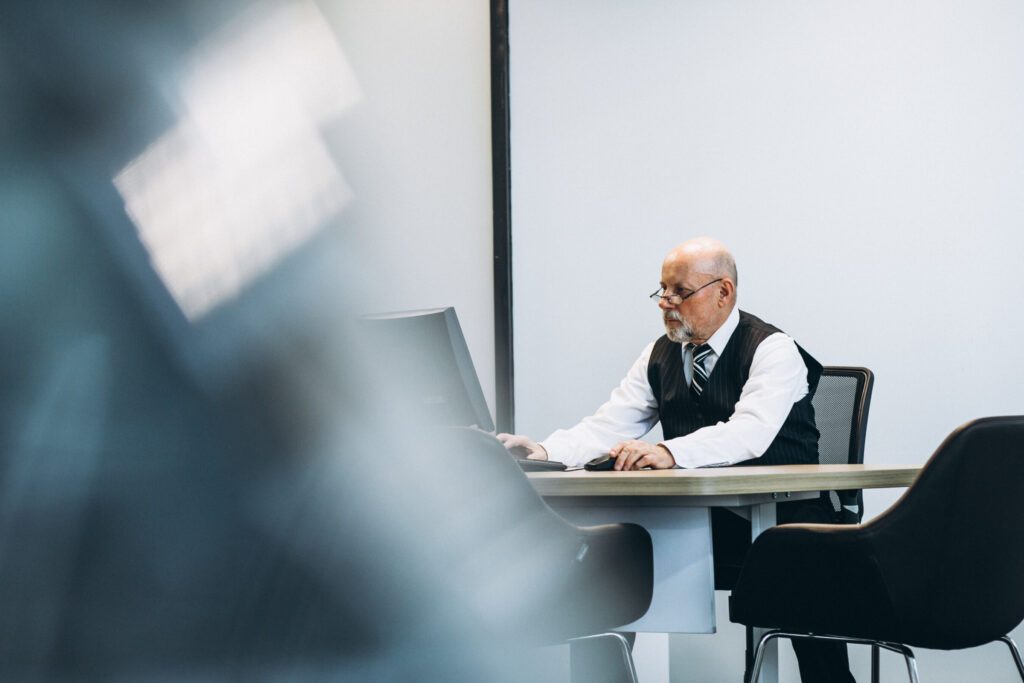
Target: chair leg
x=908, y=654
x=624, y=648
x=755, y=671
x=1016, y=655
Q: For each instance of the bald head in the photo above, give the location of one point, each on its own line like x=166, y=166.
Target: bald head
x=705, y=255
x=702, y=273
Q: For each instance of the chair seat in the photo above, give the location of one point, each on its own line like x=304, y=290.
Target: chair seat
x=815, y=578
x=833, y=580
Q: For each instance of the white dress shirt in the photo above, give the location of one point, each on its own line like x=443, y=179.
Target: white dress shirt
x=777, y=380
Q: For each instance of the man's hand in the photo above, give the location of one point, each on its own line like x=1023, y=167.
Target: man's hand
x=635, y=455
x=533, y=450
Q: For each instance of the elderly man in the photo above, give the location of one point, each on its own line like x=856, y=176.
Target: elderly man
x=729, y=389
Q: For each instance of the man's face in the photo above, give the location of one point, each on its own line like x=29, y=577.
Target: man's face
x=697, y=317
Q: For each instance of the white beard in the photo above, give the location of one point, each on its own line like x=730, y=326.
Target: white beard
x=683, y=333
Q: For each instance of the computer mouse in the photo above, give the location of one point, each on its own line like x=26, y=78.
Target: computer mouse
x=600, y=463
x=519, y=452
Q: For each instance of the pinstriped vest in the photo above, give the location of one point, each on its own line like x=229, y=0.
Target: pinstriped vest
x=797, y=441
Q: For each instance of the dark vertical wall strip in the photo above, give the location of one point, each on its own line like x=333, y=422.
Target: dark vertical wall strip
x=504, y=408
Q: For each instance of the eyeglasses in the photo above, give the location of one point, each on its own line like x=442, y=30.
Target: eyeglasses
x=676, y=299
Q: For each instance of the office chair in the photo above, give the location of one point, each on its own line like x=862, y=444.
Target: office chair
x=841, y=412
x=841, y=404
x=940, y=569
x=605, y=581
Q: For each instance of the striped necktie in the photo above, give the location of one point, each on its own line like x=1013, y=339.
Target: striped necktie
x=700, y=375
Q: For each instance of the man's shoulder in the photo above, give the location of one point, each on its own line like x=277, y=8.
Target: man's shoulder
x=759, y=330
x=752, y=322
x=752, y=330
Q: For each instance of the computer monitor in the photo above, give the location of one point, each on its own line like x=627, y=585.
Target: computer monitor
x=427, y=350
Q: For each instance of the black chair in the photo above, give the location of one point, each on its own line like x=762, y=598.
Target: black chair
x=841, y=405
x=940, y=569
x=604, y=579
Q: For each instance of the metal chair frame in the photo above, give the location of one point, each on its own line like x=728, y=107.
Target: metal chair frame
x=908, y=654
x=623, y=644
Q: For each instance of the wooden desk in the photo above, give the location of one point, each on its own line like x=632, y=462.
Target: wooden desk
x=723, y=481
x=674, y=506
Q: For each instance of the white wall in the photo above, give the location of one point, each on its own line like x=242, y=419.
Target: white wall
x=860, y=160
x=417, y=152
x=864, y=161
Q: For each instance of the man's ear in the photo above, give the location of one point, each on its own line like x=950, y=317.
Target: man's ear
x=726, y=291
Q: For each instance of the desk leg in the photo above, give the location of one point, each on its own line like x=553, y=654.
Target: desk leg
x=761, y=517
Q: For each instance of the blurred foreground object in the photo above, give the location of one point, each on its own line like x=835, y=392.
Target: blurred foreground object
x=201, y=479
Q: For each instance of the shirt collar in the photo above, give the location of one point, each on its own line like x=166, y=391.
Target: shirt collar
x=721, y=337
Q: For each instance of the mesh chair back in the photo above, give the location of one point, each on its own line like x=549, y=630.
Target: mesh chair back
x=841, y=412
